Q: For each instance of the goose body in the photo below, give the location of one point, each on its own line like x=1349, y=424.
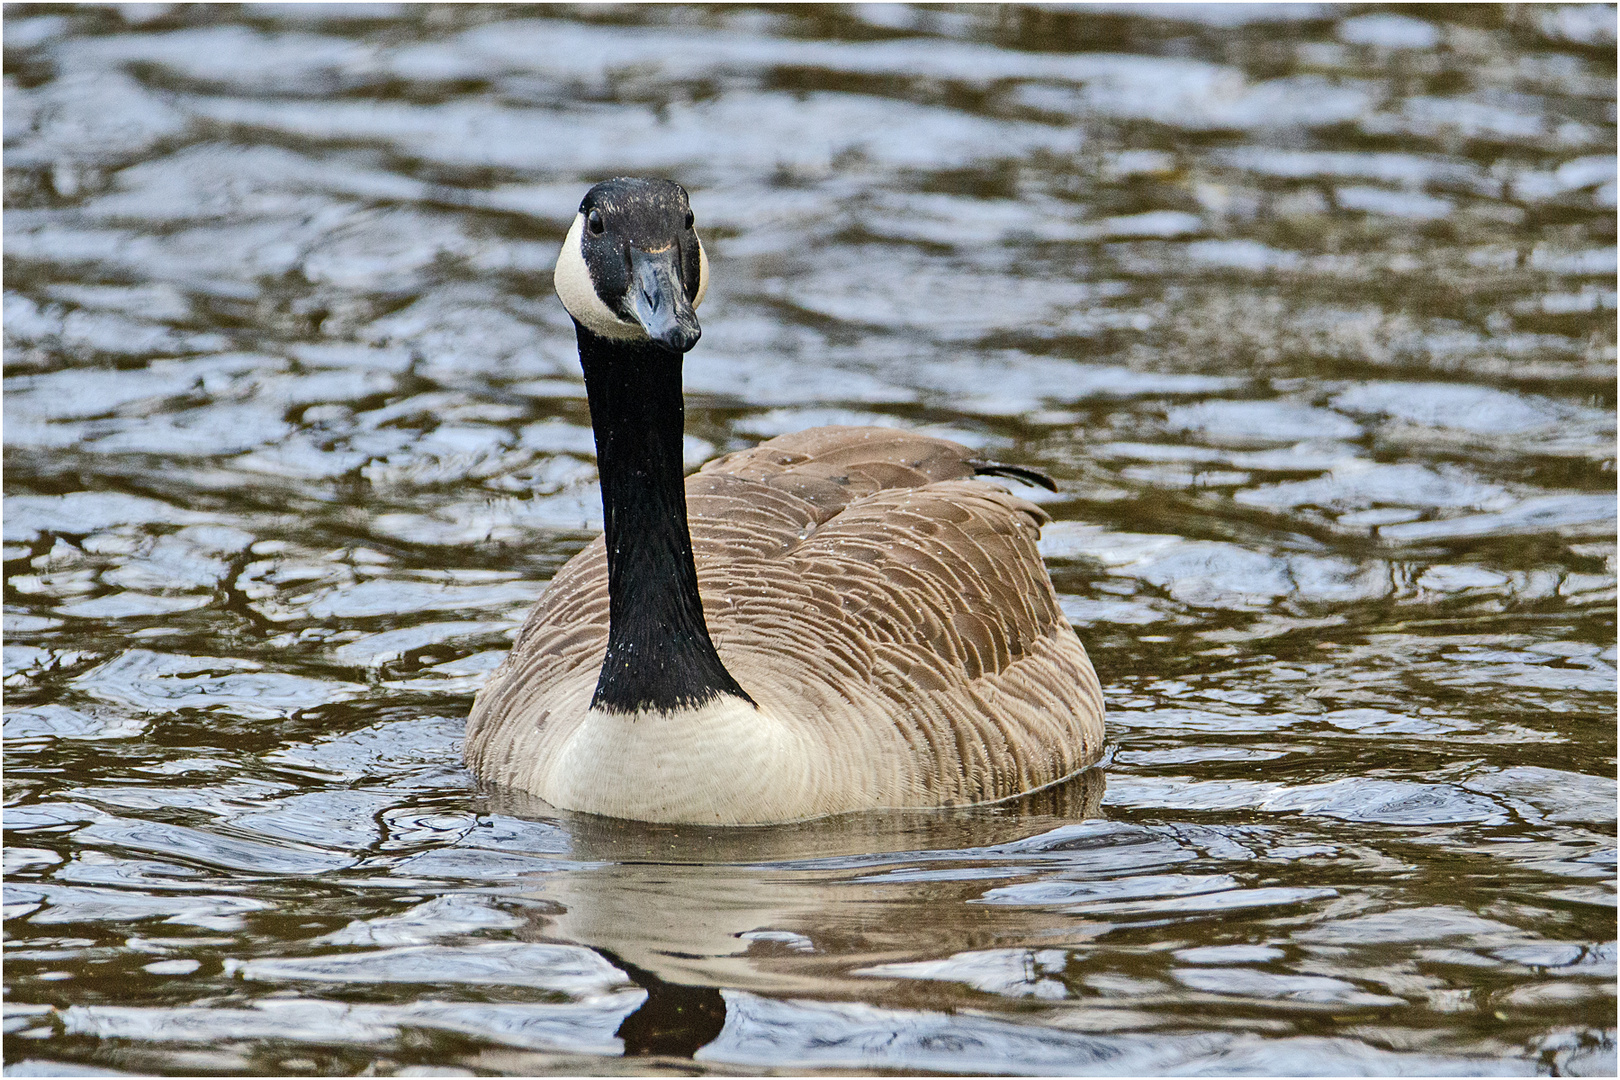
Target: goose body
x=835, y=620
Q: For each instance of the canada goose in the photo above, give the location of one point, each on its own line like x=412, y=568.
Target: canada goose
x=852, y=621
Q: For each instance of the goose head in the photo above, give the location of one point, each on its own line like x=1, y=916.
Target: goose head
x=632, y=268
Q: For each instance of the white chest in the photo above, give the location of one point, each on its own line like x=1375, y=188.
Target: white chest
x=723, y=763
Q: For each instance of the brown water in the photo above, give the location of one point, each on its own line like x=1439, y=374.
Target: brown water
x=1310, y=312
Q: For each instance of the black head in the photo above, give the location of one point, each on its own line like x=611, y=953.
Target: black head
x=632, y=266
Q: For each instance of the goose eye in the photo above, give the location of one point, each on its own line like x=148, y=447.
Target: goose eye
x=594, y=220
x=689, y=219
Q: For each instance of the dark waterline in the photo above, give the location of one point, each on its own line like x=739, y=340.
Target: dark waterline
x=1309, y=310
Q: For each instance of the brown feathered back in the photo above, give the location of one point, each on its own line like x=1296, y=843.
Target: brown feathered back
x=860, y=584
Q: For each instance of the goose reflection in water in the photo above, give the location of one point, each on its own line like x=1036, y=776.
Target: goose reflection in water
x=746, y=918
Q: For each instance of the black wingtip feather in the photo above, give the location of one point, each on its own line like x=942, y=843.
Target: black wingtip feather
x=1017, y=472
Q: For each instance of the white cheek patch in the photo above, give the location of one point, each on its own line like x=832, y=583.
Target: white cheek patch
x=577, y=290
x=703, y=272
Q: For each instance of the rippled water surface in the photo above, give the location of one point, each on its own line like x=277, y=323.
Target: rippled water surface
x=1309, y=311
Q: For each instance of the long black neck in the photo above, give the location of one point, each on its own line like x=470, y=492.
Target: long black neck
x=659, y=655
